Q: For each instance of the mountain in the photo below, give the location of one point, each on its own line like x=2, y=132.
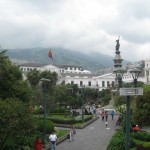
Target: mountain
x=91, y=61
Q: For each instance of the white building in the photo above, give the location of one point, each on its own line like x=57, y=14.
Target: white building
x=77, y=75
x=89, y=80
x=73, y=75
x=147, y=71
x=57, y=68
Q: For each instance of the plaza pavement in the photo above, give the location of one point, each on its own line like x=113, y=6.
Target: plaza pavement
x=93, y=137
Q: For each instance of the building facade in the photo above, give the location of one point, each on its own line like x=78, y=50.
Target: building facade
x=68, y=74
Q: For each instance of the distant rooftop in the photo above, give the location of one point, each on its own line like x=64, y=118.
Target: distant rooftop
x=33, y=65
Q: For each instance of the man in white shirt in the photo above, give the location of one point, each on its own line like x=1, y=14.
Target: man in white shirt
x=53, y=139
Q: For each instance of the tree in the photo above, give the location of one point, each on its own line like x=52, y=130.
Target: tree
x=141, y=107
x=15, y=123
x=34, y=78
x=52, y=76
x=105, y=96
x=11, y=83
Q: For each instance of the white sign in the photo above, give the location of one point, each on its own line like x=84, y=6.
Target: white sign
x=131, y=91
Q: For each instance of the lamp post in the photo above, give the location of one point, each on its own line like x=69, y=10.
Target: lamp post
x=82, y=96
x=45, y=87
x=135, y=74
x=119, y=74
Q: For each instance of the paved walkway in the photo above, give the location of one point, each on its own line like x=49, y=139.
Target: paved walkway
x=93, y=137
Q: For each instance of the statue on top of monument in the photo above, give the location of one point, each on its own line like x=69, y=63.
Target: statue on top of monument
x=117, y=45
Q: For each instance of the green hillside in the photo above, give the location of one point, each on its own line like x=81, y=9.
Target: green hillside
x=62, y=56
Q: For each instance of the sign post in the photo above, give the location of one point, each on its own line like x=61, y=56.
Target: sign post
x=129, y=92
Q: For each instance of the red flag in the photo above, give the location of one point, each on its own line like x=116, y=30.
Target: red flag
x=50, y=54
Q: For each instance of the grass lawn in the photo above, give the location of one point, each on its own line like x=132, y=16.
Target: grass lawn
x=61, y=133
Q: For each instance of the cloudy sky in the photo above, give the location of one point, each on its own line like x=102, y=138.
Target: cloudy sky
x=78, y=25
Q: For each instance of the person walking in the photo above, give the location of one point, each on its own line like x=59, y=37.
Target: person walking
x=112, y=114
x=72, y=133
x=38, y=144
x=103, y=115
x=106, y=123
x=53, y=139
x=106, y=116
x=118, y=123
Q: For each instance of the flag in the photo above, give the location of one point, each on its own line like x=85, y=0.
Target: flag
x=50, y=54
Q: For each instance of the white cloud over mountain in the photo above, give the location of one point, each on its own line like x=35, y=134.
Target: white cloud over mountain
x=79, y=25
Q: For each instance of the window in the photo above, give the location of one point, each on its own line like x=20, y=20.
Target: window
x=107, y=83
x=89, y=83
x=103, y=83
x=81, y=83
x=113, y=83
x=72, y=82
x=147, y=73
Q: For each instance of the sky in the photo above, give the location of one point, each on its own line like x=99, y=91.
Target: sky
x=78, y=25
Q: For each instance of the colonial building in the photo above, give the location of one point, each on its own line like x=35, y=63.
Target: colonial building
x=73, y=75
x=77, y=75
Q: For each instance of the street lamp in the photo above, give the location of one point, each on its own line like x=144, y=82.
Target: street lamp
x=135, y=74
x=45, y=88
x=119, y=74
x=82, y=87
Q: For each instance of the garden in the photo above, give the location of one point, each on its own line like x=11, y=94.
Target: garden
x=22, y=102
x=140, y=115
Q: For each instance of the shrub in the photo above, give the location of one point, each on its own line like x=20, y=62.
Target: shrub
x=49, y=126
x=38, y=111
x=86, y=118
x=59, y=110
x=63, y=121
x=144, y=146
x=143, y=136
x=117, y=142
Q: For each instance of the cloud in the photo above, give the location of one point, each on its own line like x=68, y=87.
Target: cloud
x=81, y=25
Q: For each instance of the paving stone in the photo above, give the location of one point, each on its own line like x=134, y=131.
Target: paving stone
x=93, y=137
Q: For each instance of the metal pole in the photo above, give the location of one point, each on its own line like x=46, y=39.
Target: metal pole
x=82, y=105
x=128, y=123
x=44, y=129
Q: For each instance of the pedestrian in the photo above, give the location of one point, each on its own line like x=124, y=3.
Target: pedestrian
x=53, y=139
x=38, y=144
x=94, y=110
x=89, y=109
x=112, y=114
x=103, y=115
x=119, y=120
x=106, y=116
x=72, y=133
x=106, y=123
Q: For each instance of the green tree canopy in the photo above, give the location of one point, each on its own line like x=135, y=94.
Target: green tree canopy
x=15, y=123
x=11, y=83
x=141, y=107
